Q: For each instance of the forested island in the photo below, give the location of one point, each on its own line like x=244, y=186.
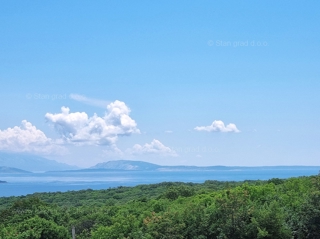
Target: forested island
x=3, y=181
x=273, y=209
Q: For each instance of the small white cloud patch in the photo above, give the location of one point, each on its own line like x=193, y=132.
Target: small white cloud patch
x=27, y=138
x=155, y=147
x=78, y=128
x=218, y=126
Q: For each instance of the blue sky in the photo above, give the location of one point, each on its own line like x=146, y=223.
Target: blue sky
x=167, y=67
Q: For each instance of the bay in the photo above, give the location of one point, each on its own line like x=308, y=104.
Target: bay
x=23, y=184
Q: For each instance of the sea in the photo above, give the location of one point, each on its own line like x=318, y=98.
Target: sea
x=23, y=184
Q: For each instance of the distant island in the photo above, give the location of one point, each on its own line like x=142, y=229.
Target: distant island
x=130, y=165
x=3, y=181
x=5, y=169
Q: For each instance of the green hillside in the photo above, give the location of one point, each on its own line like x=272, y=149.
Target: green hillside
x=272, y=209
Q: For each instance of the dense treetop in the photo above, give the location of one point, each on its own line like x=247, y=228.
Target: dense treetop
x=276, y=208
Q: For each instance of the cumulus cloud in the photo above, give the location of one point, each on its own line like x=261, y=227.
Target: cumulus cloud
x=89, y=101
x=78, y=128
x=218, y=126
x=155, y=147
x=27, y=138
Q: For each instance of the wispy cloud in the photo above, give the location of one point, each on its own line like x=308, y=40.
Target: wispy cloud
x=89, y=101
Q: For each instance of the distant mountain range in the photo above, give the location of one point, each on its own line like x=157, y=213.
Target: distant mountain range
x=31, y=163
x=24, y=163
x=4, y=169
x=140, y=165
x=129, y=165
x=126, y=165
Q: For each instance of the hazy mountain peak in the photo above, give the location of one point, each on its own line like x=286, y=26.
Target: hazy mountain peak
x=5, y=169
x=31, y=163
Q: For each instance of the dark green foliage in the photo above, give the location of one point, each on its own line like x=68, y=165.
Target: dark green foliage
x=277, y=208
x=35, y=228
x=174, y=192
x=276, y=181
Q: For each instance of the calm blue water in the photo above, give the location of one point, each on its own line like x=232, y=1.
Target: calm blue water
x=23, y=184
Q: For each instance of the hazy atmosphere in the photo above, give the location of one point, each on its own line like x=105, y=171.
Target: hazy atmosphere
x=171, y=82
x=159, y=119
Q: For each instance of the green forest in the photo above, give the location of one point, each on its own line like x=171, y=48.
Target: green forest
x=272, y=209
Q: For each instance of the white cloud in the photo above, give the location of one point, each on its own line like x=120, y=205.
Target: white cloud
x=27, y=138
x=155, y=147
x=78, y=128
x=168, y=131
x=89, y=101
x=218, y=126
